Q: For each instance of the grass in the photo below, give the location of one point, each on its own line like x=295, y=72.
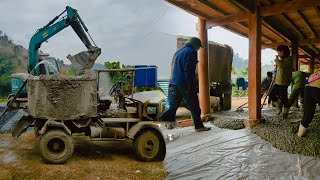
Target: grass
x=2, y=100
x=20, y=159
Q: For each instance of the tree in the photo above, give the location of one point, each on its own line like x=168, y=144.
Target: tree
x=6, y=69
x=120, y=77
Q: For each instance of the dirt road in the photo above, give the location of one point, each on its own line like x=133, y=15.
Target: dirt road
x=20, y=159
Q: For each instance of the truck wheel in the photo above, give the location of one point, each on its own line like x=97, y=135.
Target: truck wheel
x=15, y=104
x=56, y=146
x=149, y=146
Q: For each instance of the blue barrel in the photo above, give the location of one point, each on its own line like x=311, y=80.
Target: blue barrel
x=145, y=77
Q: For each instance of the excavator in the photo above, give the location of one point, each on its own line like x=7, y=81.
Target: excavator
x=58, y=106
x=83, y=60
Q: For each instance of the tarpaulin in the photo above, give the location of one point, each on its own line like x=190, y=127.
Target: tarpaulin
x=232, y=154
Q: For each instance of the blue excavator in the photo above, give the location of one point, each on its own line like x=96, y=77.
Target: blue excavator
x=83, y=60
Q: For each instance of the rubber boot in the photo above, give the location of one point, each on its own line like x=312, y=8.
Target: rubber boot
x=279, y=106
x=302, y=131
x=285, y=112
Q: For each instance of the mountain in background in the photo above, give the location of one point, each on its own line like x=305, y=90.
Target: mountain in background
x=241, y=65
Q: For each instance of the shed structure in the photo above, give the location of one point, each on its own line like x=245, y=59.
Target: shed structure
x=267, y=24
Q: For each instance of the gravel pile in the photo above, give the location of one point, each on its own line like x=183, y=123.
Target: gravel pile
x=9, y=119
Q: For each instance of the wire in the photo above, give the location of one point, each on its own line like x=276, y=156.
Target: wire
x=92, y=39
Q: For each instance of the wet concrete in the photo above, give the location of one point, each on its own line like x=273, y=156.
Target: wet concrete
x=282, y=133
x=229, y=119
x=279, y=132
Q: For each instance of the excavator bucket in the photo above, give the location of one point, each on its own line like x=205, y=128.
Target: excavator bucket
x=85, y=59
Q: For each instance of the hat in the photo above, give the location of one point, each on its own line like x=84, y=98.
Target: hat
x=195, y=41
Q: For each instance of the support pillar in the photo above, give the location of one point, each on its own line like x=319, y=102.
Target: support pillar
x=311, y=65
x=203, y=72
x=295, y=56
x=296, y=64
x=254, y=90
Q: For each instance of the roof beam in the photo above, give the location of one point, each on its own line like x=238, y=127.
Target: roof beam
x=299, y=42
x=293, y=25
x=317, y=56
x=265, y=11
x=288, y=7
x=188, y=9
x=227, y=19
x=240, y=5
x=306, y=20
x=205, y=2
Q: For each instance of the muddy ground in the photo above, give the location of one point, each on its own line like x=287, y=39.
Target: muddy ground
x=20, y=159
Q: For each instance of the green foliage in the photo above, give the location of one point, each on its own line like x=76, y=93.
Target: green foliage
x=239, y=93
x=6, y=69
x=244, y=73
x=125, y=78
x=72, y=71
x=304, y=68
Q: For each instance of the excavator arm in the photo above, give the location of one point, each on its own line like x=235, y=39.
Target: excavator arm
x=83, y=60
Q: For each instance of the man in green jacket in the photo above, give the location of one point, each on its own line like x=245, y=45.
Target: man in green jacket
x=279, y=93
x=297, y=86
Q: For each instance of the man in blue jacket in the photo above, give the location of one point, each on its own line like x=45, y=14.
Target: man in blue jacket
x=183, y=84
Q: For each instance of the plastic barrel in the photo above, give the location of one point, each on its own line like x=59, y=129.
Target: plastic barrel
x=145, y=77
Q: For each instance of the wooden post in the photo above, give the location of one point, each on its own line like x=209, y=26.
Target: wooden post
x=311, y=65
x=254, y=91
x=296, y=64
x=295, y=56
x=203, y=74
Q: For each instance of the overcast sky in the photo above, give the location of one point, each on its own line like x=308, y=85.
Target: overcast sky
x=130, y=31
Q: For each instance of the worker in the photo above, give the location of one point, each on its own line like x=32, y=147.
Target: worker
x=183, y=85
x=279, y=92
x=311, y=99
x=274, y=72
x=265, y=85
x=297, y=86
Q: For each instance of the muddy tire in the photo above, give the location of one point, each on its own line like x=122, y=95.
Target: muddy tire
x=149, y=146
x=56, y=146
x=15, y=104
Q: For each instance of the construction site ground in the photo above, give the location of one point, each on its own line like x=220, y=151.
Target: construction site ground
x=220, y=153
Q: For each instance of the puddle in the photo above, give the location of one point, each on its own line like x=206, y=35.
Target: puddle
x=9, y=158
x=4, y=144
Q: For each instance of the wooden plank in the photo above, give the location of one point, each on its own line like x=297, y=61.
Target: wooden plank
x=309, y=26
x=223, y=20
x=299, y=42
x=265, y=11
x=288, y=7
x=311, y=65
x=254, y=90
x=239, y=5
x=188, y=9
